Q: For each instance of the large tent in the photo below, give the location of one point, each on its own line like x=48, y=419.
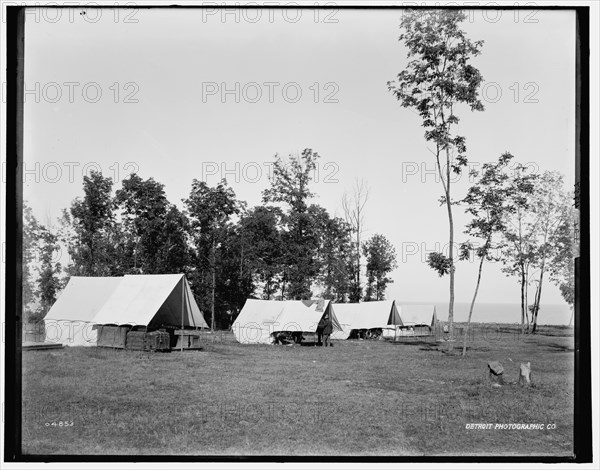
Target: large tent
x=365, y=316
x=259, y=319
x=69, y=321
x=151, y=301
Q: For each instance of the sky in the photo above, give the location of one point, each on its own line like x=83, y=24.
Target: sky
x=178, y=94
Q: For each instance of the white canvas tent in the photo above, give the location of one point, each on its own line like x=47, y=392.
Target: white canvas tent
x=304, y=315
x=365, y=316
x=69, y=321
x=148, y=300
x=254, y=324
x=152, y=300
x=259, y=319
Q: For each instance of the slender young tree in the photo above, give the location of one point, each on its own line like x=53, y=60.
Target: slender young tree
x=519, y=228
x=436, y=81
x=552, y=207
x=488, y=201
x=562, y=265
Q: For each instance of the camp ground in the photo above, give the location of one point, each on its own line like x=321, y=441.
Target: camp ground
x=415, y=320
x=358, y=319
x=260, y=321
x=101, y=311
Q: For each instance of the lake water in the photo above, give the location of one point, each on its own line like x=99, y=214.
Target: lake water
x=549, y=314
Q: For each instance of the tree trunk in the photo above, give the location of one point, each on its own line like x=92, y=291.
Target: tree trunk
x=523, y=306
x=571, y=319
x=358, y=256
x=212, y=306
x=538, y=296
x=464, y=351
x=450, y=248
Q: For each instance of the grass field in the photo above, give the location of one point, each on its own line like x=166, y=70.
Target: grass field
x=371, y=398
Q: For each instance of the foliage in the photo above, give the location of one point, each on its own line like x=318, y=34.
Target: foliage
x=31, y=237
x=439, y=263
x=93, y=250
x=381, y=260
x=286, y=248
x=518, y=246
x=48, y=283
x=299, y=234
x=437, y=79
x=552, y=208
x=210, y=212
x=489, y=200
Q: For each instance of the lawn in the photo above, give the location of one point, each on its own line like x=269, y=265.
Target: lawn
x=369, y=398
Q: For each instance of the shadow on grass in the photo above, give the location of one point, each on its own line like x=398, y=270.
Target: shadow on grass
x=558, y=347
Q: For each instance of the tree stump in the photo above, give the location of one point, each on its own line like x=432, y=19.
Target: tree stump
x=496, y=372
x=525, y=374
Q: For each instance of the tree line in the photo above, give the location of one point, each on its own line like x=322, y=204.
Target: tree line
x=285, y=248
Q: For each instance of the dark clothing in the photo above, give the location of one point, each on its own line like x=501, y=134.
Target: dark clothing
x=326, y=340
x=328, y=329
x=319, y=336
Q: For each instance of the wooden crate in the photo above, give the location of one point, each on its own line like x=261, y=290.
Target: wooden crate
x=189, y=339
x=112, y=336
x=148, y=341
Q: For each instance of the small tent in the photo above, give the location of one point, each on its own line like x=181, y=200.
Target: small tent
x=259, y=319
x=419, y=320
x=365, y=316
x=69, y=321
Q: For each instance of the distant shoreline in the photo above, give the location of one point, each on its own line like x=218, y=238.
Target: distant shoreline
x=498, y=312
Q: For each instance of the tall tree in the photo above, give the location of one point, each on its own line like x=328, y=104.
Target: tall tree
x=31, y=238
x=380, y=256
x=488, y=201
x=551, y=206
x=153, y=230
x=261, y=248
x=290, y=187
x=210, y=211
x=354, y=213
x=93, y=251
x=437, y=79
x=335, y=256
x=49, y=269
x=562, y=265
